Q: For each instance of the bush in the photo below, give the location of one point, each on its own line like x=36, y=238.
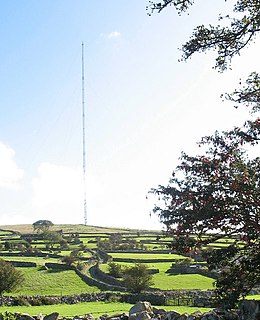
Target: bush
x=137, y=278
x=7, y=316
x=10, y=278
x=115, y=270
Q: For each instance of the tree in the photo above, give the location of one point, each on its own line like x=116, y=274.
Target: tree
x=215, y=194
x=42, y=225
x=74, y=256
x=10, y=278
x=52, y=237
x=137, y=278
x=227, y=41
x=115, y=269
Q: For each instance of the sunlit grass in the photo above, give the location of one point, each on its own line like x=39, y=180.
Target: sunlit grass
x=95, y=308
x=182, y=281
x=167, y=281
x=253, y=297
x=52, y=282
x=37, y=260
x=150, y=256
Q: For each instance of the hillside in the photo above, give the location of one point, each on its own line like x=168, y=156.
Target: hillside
x=28, y=228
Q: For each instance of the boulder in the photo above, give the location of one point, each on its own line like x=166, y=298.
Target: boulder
x=24, y=316
x=183, y=316
x=88, y=317
x=52, y=316
x=143, y=315
x=158, y=311
x=140, y=307
x=172, y=315
x=195, y=315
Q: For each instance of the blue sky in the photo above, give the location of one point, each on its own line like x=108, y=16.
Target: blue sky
x=143, y=107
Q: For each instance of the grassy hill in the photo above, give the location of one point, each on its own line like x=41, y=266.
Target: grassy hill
x=28, y=228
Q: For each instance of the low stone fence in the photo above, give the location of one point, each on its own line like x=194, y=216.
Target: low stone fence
x=192, y=269
x=30, y=254
x=102, y=276
x=23, y=264
x=104, y=256
x=196, y=298
x=103, y=285
x=140, y=251
x=143, y=260
x=62, y=266
x=41, y=300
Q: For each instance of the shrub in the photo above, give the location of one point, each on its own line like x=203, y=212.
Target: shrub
x=137, y=278
x=7, y=316
x=10, y=278
x=115, y=269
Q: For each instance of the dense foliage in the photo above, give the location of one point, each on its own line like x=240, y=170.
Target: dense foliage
x=213, y=196
x=42, y=225
x=10, y=278
x=137, y=278
x=216, y=194
x=228, y=40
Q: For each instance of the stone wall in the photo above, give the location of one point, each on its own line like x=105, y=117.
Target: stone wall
x=30, y=254
x=100, y=284
x=102, y=276
x=191, y=269
x=143, y=260
x=62, y=266
x=104, y=256
x=196, y=298
x=22, y=264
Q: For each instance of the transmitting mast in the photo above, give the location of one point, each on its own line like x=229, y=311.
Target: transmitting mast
x=84, y=137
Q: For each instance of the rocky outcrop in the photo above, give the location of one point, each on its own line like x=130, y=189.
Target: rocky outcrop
x=145, y=311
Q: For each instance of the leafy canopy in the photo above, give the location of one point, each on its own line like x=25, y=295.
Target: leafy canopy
x=42, y=225
x=216, y=193
x=137, y=278
x=227, y=41
x=10, y=278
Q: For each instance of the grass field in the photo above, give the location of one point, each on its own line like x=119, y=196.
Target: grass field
x=166, y=281
x=80, y=228
x=95, y=308
x=150, y=256
x=253, y=297
x=182, y=281
x=52, y=282
x=38, y=260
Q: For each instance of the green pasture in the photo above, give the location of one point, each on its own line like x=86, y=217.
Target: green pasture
x=52, y=282
x=167, y=281
x=152, y=256
x=153, y=246
x=253, y=297
x=38, y=260
x=5, y=233
x=93, y=235
x=95, y=308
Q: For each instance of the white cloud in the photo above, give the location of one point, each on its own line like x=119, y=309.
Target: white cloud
x=111, y=35
x=58, y=193
x=10, y=174
x=114, y=34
